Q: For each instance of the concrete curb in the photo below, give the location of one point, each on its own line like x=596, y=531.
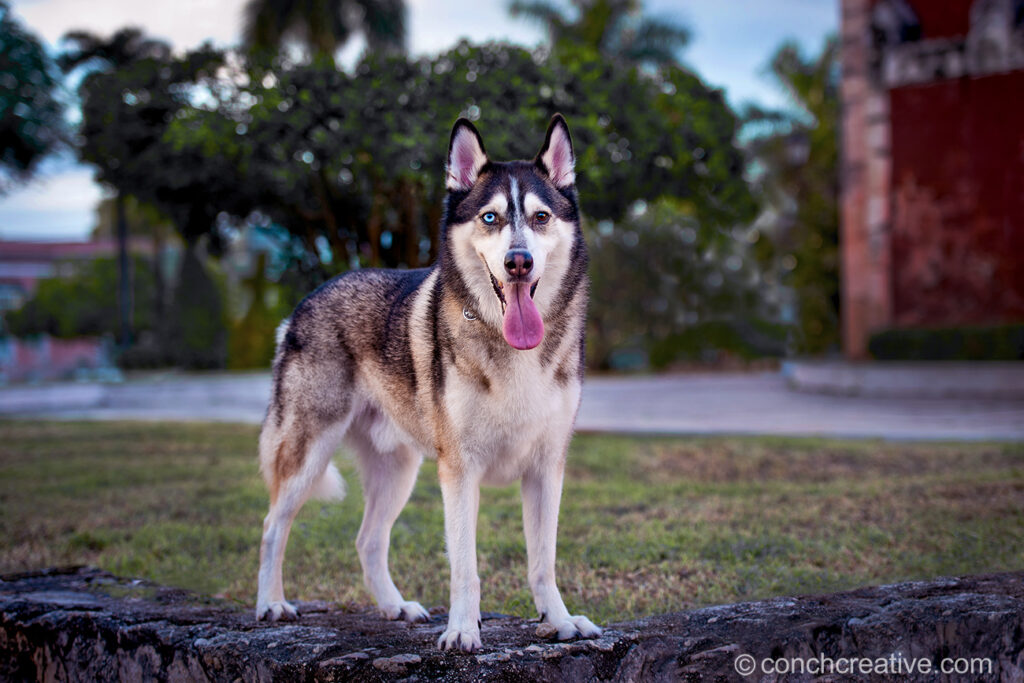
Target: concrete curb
x=986, y=381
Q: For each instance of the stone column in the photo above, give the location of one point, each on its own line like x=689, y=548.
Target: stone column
x=865, y=183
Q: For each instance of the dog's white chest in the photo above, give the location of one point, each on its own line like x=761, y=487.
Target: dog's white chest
x=523, y=416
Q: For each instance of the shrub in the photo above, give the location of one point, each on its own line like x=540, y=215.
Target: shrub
x=84, y=304
x=251, y=342
x=1002, y=342
x=672, y=288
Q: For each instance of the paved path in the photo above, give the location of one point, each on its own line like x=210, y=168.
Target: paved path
x=675, y=404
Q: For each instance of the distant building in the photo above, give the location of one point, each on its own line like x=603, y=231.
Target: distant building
x=932, y=212
x=24, y=264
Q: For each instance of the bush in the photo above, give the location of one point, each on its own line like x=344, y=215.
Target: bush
x=1002, y=342
x=84, y=304
x=707, y=342
x=252, y=340
x=672, y=288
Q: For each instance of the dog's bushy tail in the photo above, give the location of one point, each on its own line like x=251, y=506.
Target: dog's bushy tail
x=330, y=486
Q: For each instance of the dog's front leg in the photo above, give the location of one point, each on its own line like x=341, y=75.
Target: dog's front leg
x=542, y=493
x=461, y=492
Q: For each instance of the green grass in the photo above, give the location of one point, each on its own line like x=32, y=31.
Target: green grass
x=648, y=525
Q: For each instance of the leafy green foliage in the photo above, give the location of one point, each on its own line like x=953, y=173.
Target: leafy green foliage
x=999, y=342
x=85, y=303
x=356, y=161
x=798, y=152
x=675, y=289
x=252, y=339
x=125, y=114
x=31, y=113
x=350, y=165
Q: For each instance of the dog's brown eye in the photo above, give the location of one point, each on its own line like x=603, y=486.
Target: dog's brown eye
x=542, y=216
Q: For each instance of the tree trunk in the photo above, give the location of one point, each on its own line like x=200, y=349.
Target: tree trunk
x=374, y=229
x=410, y=209
x=124, y=269
x=434, y=226
x=339, y=251
x=159, y=281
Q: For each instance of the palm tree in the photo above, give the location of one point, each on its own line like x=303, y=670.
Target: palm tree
x=615, y=28
x=796, y=151
x=89, y=51
x=325, y=25
x=121, y=49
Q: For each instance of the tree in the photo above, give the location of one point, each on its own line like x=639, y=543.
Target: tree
x=797, y=151
x=31, y=114
x=142, y=220
x=123, y=48
x=351, y=164
x=347, y=168
x=617, y=29
x=324, y=25
x=127, y=45
x=125, y=115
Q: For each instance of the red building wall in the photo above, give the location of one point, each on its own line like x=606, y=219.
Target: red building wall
x=957, y=235
x=932, y=231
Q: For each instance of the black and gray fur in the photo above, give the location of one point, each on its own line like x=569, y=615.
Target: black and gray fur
x=405, y=363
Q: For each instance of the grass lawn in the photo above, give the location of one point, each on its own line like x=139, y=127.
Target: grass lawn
x=648, y=525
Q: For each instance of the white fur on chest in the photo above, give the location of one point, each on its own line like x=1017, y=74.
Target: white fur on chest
x=523, y=417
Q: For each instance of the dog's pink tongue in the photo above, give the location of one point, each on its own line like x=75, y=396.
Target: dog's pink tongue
x=523, y=328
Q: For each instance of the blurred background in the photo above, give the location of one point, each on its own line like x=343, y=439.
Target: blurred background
x=761, y=181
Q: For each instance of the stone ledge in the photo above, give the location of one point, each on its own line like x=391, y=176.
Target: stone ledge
x=86, y=624
x=982, y=380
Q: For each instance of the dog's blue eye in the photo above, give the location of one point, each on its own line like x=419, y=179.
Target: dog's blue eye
x=490, y=217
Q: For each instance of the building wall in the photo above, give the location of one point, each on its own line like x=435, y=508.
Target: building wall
x=933, y=165
x=958, y=201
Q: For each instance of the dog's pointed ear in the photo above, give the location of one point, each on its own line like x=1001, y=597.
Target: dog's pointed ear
x=556, y=157
x=466, y=156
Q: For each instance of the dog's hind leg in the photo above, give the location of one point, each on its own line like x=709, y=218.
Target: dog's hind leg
x=388, y=477
x=297, y=464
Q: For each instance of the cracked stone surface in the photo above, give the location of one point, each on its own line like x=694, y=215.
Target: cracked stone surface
x=86, y=624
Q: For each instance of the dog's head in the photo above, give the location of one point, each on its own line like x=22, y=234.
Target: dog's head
x=510, y=228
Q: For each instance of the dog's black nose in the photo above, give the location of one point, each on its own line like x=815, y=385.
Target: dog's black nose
x=518, y=262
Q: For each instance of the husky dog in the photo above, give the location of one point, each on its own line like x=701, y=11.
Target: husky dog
x=476, y=361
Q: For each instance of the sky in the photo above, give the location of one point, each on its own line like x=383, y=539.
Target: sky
x=732, y=41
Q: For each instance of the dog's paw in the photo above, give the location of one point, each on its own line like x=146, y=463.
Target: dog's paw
x=276, y=611
x=408, y=610
x=461, y=635
x=576, y=627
